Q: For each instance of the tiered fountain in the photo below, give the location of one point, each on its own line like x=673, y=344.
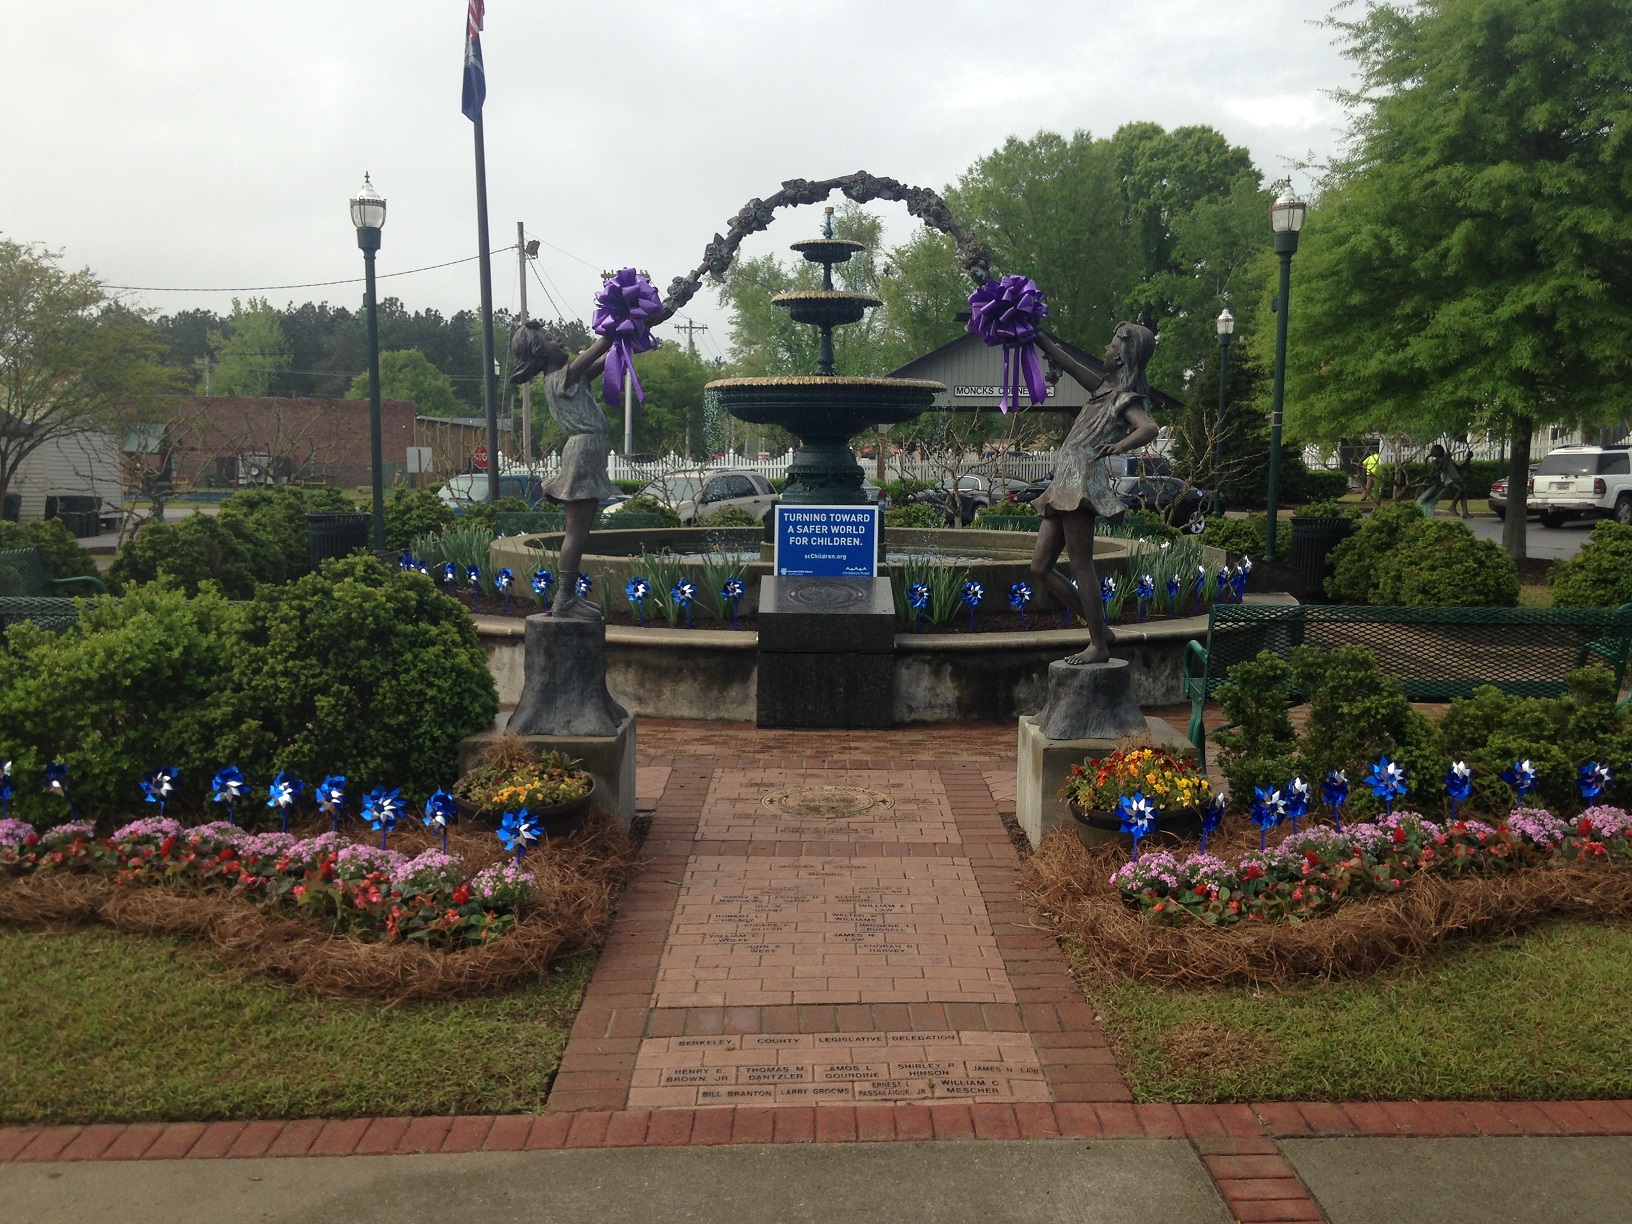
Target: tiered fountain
x=825, y=410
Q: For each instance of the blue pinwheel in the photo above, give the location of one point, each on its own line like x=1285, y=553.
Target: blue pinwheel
x=1200, y=586
x=683, y=593
x=1173, y=595
x=1107, y=592
x=973, y=593
x=381, y=809
x=473, y=575
x=918, y=600
x=159, y=783
x=1521, y=776
x=450, y=576
x=331, y=798
x=6, y=790
x=1212, y=815
x=1592, y=779
x=405, y=560
x=228, y=786
x=635, y=591
x=1019, y=597
x=282, y=795
x=1334, y=792
x=1268, y=810
x=518, y=830
x=1144, y=593
x=440, y=812
x=1238, y=580
x=733, y=592
x=1138, y=817
x=1297, y=802
x=1386, y=780
x=1222, y=591
x=502, y=582
x=543, y=580
x=583, y=585
x=1458, y=785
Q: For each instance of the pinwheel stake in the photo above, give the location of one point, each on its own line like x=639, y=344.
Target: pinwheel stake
x=918, y=600
x=1212, y=815
x=1268, y=810
x=381, y=809
x=405, y=561
x=450, y=576
x=582, y=586
x=1007, y=312
x=1592, y=779
x=635, y=591
x=733, y=592
x=282, y=795
x=519, y=830
x=973, y=593
x=228, y=787
x=56, y=783
x=1521, y=776
x=159, y=784
x=683, y=593
x=1334, y=792
x=440, y=812
x=1107, y=592
x=1387, y=781
x=1138, y=816
x=1458, y=785
x=1201, y=586
x=1144, y=593
x=543, y=580
x=331, y=799
x=1297, y=802
x=502, y=582
x=5, y=791
x=474, y=576
x=1019, y=597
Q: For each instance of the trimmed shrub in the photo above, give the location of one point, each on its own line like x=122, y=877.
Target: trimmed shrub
x=279, y=514
x=1355, y=561
x=1151, y=525
x=1441, y=564
x=228, y=550
x=1600, y=574
x=914, y=514
x=650, y=505
x=62, y=555
x=1319, y=485
x=731, y=516
x=1238, y=536
x=411, y=513
x=899, y=492
x=1330, y=509
x=1006, y=509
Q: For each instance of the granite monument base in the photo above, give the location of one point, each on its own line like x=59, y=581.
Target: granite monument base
x=610, y=760
x=1044, y=764
x=826, y=653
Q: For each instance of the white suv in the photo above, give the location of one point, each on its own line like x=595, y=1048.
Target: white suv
x=1583, y=482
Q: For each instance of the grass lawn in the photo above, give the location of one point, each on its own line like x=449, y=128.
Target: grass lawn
x=1536, y=1016
x=105, y=1027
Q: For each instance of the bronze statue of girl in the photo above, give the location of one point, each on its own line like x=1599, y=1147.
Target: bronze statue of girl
x=1116, y=419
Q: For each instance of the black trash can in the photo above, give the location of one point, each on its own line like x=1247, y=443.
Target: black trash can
x=336, y=535
x=1312, y=542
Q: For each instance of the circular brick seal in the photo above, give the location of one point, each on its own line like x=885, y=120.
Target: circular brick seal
x=827, y=802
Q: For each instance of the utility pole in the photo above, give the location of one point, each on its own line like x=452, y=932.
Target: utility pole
x=524, y=251
x=205, y=364
x=691, y=329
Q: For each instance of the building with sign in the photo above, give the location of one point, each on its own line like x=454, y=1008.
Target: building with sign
x=973, y=374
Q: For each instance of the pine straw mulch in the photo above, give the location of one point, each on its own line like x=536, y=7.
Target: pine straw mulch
x=580, y=878
x=1071, y=885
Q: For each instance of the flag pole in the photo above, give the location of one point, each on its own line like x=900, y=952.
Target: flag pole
x=490, y=399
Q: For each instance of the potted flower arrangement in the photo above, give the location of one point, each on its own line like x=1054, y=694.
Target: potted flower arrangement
x=510, y=776
x=1169, y=785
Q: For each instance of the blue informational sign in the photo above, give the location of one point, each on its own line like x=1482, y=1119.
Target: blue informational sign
x=827, y=541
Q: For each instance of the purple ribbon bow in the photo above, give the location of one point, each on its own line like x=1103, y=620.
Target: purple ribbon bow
x=624, y=310
x=1007, y=312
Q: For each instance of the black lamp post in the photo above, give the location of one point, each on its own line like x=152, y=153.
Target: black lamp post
x=1286, y=219
x=368, y=215
x=1226, y=332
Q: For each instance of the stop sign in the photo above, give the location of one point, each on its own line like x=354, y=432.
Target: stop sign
x=479, y=457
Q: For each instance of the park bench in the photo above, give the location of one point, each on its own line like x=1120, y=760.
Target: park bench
x=26, y=593
x=1436, y=654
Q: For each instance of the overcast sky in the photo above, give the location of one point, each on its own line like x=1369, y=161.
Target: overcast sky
x=214, y=145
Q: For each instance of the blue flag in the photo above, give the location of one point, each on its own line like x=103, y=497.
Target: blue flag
x=475, y=77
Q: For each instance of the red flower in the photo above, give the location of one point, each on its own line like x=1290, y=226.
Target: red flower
x=1314, y=859
x=1399, y=837
x=461, y=894
x=1585, y=827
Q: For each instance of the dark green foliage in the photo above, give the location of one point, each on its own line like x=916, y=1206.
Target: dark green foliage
x=361, y=669
x=1330, y=509
x=650, y=505
x=279, y=513
x=484, y=514
x=1259, y=748
x=630, y=487
x=731, y=516
x=1398, y=557
x=1150, y=524
x=1007, y=509
x=130, y=686
x=899, y=492
x=1600, y=574
x=914, y=514
x=230, y=551
x=1239, y=536
x=60, y=553
x=411, y=513
x=1557, y=734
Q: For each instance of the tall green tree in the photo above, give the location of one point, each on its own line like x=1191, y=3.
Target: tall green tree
x=250, y=351
x=407, y=374
x=1467, y=264
x=72, y=360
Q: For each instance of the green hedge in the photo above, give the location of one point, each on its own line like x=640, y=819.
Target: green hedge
x=914, y=514
x=1600, y=574
x=61, y=553
x=229, y=551
x=1240, y=536
x=1398, y=557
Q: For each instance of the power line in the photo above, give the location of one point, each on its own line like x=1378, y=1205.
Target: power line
x=356, y=280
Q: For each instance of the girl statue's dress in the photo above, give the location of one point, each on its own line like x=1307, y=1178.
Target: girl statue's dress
x=583, y=458
x=1082, y=475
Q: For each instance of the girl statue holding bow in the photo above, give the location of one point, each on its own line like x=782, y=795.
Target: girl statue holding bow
x=582, y=481
x=1116, y=419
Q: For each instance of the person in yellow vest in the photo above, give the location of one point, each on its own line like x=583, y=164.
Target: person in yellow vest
x=1369, y=467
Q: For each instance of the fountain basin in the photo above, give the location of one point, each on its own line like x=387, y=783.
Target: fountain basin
x=814, y=406
x=827, y=307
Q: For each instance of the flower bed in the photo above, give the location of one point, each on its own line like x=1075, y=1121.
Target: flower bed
x=328, y=914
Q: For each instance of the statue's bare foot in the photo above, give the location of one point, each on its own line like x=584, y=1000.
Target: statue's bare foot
x=1094, y=654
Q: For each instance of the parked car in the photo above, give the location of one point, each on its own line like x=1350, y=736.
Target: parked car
x=1179, y=502
x=1583, y=482
x=1122, y=466
x=471, y=489
x=971, y=493
x=698, y=495
x=1498, y=497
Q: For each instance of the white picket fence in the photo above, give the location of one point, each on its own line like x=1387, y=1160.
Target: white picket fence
x=620, y=468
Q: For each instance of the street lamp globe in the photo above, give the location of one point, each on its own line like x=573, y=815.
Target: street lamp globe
x=1287, y=213
x=1225, y=323
x=368, y=207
